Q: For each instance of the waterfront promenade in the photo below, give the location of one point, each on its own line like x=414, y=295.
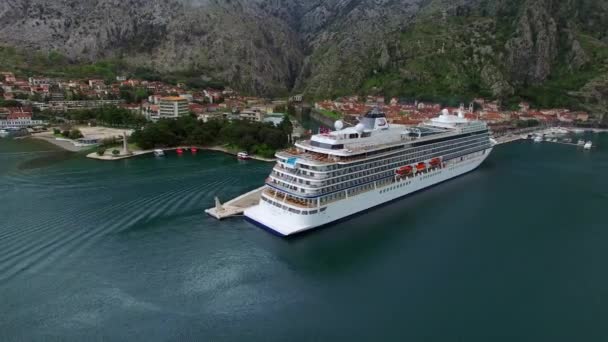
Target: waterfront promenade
x=135, y=153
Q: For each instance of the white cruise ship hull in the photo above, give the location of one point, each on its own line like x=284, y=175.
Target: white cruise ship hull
x=286, y=223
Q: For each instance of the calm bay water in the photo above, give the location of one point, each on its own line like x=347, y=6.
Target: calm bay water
x=515, y=251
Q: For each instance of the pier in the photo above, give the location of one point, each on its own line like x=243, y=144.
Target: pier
x=507, y=139
x=237, y=206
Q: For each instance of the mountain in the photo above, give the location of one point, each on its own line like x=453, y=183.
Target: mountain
x=551, y=52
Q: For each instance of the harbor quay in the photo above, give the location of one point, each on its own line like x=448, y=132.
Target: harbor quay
x=136, y=153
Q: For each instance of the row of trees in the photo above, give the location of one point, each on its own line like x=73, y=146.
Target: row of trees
x=254, y=137
x=68, y=133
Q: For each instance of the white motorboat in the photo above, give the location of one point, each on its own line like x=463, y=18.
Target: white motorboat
x=243, y=155
x=159, y=153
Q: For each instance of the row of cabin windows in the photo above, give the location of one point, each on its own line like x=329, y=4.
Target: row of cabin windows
x=383, y=180
x=394, y=187
x=376, y=166
x=366, y=163
x=450, y=140
x=292, y=210
x=387, y=174
x=394, y=162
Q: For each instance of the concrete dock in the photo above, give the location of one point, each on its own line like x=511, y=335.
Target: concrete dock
x=235, y=206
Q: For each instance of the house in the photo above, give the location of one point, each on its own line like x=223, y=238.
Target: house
x=566, y=117
x=296, y=98
x=19, y=113
x=205, y=117
x=133, y=107
x=196, y=108
x=493, y=106
x=96, y=83
x=9, y=77
x=582, y=116
x=251, y=115
x=492, y=117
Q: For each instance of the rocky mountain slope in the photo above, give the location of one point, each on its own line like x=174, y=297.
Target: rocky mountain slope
x=540, y=50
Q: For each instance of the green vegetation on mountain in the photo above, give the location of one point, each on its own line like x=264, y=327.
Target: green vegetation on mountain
x=547, y=52
x=55, y=64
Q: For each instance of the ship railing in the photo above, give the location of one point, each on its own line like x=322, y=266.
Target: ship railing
x=287, y=189
x=284, y=198
x=298, y=172
x=294, y=180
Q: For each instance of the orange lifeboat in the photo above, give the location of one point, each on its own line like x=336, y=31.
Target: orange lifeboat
x=405, y=170
x=435, y=162
x=421, y=166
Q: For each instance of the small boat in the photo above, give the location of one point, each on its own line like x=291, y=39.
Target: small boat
x=581, y=142
x=4, y=133
x=405, y=170
x=568, y=140
x=421, y=167
x=435, y=162
x=159, y=153
x=243, y=155
x=538, y=139
x=179, y=151
x=588, y=145
x=193, y=149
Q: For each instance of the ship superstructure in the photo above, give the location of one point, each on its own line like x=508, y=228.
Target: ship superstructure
x=340, y=173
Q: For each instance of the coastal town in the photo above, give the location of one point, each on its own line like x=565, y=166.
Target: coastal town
x=491, y=112
x=36, y=103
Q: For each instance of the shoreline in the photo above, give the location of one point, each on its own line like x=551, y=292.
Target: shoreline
x=109, y=157
x=63, y=144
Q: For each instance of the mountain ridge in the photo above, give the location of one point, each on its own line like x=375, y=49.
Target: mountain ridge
x=548, y=51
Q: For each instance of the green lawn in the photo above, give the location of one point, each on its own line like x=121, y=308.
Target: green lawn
x=330, y=114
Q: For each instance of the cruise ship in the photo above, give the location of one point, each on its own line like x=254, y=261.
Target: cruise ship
x=343, y=172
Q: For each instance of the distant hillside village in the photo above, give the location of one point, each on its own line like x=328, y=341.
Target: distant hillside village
x=24, y=100
x=351, y=107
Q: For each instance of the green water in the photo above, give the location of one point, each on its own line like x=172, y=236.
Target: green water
x=89, y=250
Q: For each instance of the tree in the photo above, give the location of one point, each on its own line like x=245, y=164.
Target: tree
x=101, y=151
x=75, y=134
x=260, y=138
x=115, y=153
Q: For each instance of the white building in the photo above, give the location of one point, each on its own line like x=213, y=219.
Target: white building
x=173, y=107
x=21, y=122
